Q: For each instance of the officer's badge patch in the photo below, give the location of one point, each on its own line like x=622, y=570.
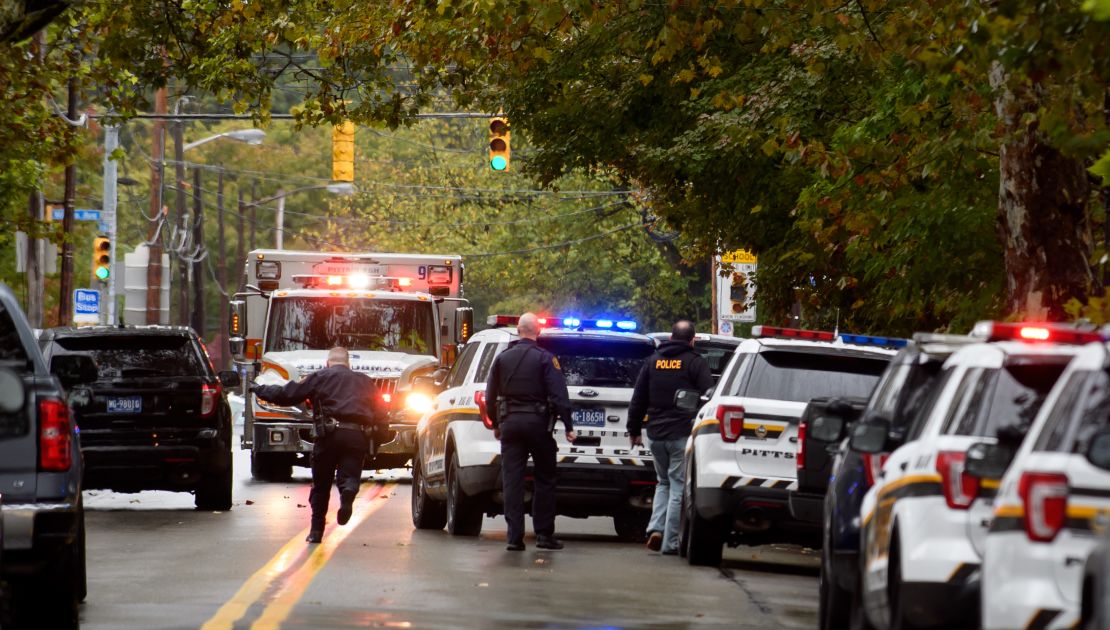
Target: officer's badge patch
x=555, y=362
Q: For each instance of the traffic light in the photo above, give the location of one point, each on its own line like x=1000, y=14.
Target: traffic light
x=343, y=152
x=499, y=150
x=101, y=258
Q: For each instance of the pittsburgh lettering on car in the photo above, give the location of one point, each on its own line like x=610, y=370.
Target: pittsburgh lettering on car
x=668, y=364
x=758, y=452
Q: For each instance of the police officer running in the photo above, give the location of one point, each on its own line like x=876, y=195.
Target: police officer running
x=674, y=366
x=526, y=390
x=345, y=406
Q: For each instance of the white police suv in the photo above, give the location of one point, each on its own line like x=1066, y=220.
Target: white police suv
x=457, y=468
x=740, y=457
x=924, y=519
x=1052, y=504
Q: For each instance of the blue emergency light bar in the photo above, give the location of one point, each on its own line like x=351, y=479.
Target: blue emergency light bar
x=871, y=340
x=576, y=323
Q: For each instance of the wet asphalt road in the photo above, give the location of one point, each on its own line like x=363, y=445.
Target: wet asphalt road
x=155, y=562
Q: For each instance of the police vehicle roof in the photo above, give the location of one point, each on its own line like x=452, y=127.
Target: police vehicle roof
x=990, y=354
x=818, y=347
x=509, y=333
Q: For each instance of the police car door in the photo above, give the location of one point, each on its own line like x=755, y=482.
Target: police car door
x=447, y=402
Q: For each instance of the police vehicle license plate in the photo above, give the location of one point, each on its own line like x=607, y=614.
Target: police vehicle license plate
x=125, y=404
x=588, y=417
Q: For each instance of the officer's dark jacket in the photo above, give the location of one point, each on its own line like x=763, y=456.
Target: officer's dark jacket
x=527, y=373
x=336, y=392
x=674, y=366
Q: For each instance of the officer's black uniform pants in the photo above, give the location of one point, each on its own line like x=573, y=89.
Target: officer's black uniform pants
x=337, y=457
x=523, y=435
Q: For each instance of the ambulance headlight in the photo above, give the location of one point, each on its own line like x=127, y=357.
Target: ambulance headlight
x=418, y=402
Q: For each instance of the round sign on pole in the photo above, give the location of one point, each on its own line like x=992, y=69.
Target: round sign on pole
x=725, y=327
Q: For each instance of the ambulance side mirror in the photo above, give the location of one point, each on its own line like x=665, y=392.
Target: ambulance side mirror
x=464, y=324
x=237, y=328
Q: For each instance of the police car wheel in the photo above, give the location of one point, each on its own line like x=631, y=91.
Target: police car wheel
x=427, y=513
x=834, y=605
x=684, y=524
x=631, y=525
x=214, y=492
x=895, y=601
x=464, y=514
x=706, y=537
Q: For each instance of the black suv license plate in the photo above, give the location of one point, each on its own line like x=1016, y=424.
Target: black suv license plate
x=588, y=417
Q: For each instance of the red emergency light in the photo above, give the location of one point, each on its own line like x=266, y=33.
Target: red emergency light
x=511, y=320
x=792, y=333
x=1033, y=332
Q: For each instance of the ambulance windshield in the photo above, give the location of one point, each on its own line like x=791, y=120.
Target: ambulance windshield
x=311, y=323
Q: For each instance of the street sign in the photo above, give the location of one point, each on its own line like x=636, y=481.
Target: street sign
x=735, y=280
x=79, y=214
x=86, y=306
x=725, y=327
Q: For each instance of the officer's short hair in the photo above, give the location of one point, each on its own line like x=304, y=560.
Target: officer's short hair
x=527, y=325
x=339, y=356
x=683, y=330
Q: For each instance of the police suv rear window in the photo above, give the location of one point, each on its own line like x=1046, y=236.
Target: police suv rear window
x=119, y=356
x=800, y=376
x=716, y=355
x=598, y=362
x=1008, y=396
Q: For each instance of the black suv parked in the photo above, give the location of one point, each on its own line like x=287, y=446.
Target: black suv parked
x=40, y=479
x=157, y=417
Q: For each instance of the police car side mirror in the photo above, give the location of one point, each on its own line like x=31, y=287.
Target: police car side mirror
x=827, y=428
x=1098, y=450
x=687, y=400
x=229, y=378
x=708, y=395
x=872, y=435
x=987, y=461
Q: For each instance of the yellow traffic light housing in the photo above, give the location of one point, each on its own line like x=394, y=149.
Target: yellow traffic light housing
x=343, y=152
x=499, y=149
x=102, y=258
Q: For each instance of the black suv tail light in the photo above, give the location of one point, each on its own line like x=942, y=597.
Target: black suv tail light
x=55, y=439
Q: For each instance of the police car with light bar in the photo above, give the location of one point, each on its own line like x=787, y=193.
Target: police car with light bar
x=457, y=467
x=1053, y=503
x=741, y=455
x=924, y=519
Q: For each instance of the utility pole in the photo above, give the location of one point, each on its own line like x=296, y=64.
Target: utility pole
x=254, y=211
x=279, y=218
x=111, y=141
x=154, y=233
x=221, y=248
x=34, y=261
x=181, y=217
x=65, y=298
x=241, y=254
x=198, y=264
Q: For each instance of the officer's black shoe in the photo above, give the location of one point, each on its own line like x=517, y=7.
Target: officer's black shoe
x=346, y=505
x=315, y=536
x=548, y=542
x=515, y=546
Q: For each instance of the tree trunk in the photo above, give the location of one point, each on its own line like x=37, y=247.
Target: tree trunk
x=1043, y=213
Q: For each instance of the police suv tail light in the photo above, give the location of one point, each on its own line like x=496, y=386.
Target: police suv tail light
x=731, y=422
x=209, y=396
x=480, y=400
x=55, y=442
x=800, y=460
x=960, y=488
x=1045, y=499
x=873, y=465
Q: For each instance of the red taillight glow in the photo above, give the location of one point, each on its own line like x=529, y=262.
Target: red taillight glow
x=1034, y=333
x=335, y=281
x=1045, y=499
x=480, y=400
x=387, y=398
x=731, y=422
x=800, y=460
x=873, y=465
x=404, y=282
x=792, y=333
x=55, y=441
x=209, y=397
x=960, y=488
x=1054, y=333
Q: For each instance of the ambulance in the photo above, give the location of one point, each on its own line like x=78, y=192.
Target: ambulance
x=401, y=317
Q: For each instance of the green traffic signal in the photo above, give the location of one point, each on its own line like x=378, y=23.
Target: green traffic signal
x=101, y=273
x=498, y=163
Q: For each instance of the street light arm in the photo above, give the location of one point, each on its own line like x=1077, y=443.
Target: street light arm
x=285, y=193
x=193, y=145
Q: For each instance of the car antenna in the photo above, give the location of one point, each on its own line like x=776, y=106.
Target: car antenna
x=836, y=326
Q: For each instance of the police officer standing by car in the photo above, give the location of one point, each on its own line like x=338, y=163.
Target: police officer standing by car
x=526, y=391
x=674, y=366
x=345, y=406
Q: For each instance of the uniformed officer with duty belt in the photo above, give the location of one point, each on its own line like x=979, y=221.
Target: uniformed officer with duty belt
x=526, y=390
x=346, y=405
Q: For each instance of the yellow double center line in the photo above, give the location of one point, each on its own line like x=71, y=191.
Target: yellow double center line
x=293, y=586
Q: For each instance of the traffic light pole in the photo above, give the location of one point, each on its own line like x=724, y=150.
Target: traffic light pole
x=65, y=297
x=111, y=142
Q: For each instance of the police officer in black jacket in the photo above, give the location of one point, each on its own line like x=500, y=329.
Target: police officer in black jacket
x=346, y=405
x=525, y=390
x=674, y=366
